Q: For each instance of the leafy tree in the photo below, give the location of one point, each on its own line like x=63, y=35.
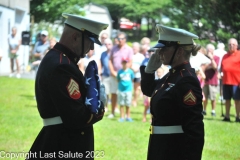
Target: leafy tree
x=48, y=15
x=213, y=20
x=51, y=10
x=136, y=10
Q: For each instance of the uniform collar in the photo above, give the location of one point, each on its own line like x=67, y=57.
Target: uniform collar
x=185, y=65
x=71, y=55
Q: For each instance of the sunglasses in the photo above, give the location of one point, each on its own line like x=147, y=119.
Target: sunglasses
x=120, y=39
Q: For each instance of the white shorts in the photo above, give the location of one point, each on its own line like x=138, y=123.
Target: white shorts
x=124, y=98
x=113, y=85
x=106, y=83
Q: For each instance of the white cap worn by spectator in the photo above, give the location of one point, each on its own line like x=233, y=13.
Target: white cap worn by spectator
x=169, y=37
x=44, y=32
x=90, y=27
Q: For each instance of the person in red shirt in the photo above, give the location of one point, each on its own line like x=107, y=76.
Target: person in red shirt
x=231, y=78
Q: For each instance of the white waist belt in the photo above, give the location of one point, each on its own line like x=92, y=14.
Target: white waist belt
x=165, y=129
x=52, y=121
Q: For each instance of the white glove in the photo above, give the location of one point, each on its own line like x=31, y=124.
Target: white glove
x=103, y=96
x=154, y=63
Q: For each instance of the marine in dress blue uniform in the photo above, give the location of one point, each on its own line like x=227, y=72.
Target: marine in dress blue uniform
x=61, y=93
x=177, y=129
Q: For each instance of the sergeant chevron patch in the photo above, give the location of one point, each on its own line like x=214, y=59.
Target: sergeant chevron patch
x=189, y=98
x=73, y=89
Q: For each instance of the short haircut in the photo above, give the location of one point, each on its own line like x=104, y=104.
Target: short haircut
x=210, y=46
x=104, y=33
x=136, y=43
x=108, y=40
x=122, y=33
x=234, y=40
x=220, y=46
x=145, y=40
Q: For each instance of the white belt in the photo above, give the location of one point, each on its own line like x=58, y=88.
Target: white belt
x=52, y=121
x=165, y=129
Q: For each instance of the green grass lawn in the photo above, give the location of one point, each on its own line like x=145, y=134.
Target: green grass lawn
x=20, y=124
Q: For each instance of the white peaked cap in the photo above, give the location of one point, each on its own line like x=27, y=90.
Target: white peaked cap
x=84, y=24
x=181, y=36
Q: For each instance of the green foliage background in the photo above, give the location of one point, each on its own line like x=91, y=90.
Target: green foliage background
x=211, y=20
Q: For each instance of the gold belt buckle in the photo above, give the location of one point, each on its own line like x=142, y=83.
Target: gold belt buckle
x=151, y=129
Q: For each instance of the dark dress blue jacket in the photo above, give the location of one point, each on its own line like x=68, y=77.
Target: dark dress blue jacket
x=60, y=91
x=176, y=101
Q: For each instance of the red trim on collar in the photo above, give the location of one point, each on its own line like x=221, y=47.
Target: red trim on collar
x=68, y=60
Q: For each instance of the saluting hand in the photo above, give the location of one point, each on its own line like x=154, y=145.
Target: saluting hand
x=154, y=63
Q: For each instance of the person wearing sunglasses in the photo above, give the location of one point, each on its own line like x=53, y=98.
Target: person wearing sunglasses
x=118, y=52
x=177, y=128
x=61, y=94
x=231, y=79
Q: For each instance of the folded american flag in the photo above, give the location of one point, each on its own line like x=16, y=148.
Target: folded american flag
x=93, y=87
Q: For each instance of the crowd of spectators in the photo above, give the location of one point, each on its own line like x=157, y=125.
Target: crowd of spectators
x=218, y=74
x=217, y=70
x=119, y=72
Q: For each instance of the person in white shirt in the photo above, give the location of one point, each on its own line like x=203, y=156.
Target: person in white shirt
x=136, y=63
x=220, y=52
x=200, y=60
x=98, y=50
x=14, y=42
x=83, y=63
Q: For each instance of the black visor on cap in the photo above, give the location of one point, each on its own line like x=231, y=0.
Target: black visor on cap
x=168, y=43
x=152, y=49
x=93, y=37
x=95, y=40
x=159, y=45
